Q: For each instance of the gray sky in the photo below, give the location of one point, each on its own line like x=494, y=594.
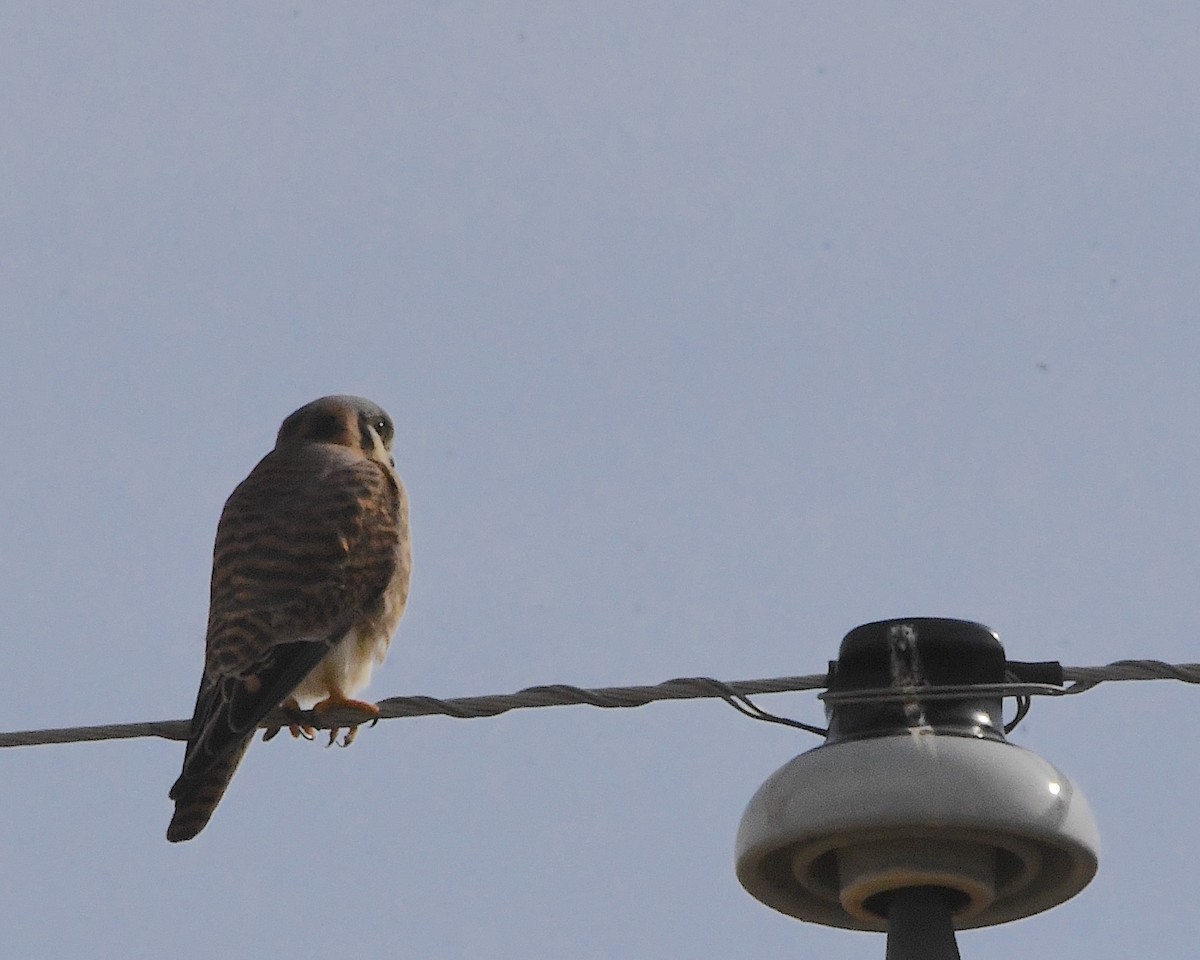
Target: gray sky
x=711, y=331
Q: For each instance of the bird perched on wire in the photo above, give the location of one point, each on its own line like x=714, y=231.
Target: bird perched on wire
x=310, y=578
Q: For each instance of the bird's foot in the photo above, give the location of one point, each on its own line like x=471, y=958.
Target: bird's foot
x=368, y=711
x=296, y=728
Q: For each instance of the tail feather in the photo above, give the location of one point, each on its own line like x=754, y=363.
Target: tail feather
x=196, y=799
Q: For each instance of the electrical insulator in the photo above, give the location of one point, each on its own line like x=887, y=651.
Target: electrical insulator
x=916, y=802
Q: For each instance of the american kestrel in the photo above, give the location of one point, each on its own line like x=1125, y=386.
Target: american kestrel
x=310, y=578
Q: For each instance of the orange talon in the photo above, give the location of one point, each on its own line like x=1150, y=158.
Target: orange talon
x=339, y=701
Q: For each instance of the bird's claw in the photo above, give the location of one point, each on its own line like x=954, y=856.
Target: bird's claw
x=337, y=701
x=291, y=709
x=297, y=730
x=348, y=739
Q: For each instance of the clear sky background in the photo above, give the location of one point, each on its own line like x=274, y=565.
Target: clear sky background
x=711, y=330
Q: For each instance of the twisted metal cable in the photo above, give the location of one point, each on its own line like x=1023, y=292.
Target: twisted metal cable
x=1081, y=679
x=1087, y=677
x=463, y=708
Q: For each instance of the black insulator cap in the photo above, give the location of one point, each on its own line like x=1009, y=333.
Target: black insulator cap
x=914, y=653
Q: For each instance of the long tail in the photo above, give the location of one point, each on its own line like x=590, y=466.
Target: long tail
x=196, y=799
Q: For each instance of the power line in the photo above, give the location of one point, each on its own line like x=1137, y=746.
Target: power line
x=1087, y=677
x=734, y=692
x=463, y=708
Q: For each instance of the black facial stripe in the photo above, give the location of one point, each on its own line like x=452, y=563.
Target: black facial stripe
x=366, y=439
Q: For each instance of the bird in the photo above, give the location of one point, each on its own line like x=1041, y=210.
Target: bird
x=310, y=577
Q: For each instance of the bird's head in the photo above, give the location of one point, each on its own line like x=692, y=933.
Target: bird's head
x=344, y=420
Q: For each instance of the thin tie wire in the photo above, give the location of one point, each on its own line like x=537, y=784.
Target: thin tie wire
x=735, y=693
